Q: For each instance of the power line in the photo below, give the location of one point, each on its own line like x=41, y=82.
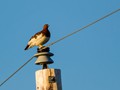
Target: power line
x=113, y=12
x=16, y=71
x=84, y=27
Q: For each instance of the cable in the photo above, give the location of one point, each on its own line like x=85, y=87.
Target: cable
x=60, y=40
x=16, y=71
x=84, y=27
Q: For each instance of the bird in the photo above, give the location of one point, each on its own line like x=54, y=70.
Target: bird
x=40, y=38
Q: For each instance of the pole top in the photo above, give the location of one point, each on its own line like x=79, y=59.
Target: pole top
x=44, y=53
x=43, y=57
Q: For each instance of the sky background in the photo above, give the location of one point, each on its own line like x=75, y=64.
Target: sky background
x=89, y=60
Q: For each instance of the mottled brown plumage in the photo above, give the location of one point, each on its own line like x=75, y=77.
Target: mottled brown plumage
x=39, y=38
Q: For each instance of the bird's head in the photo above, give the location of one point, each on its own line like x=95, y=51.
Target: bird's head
x=45, y=26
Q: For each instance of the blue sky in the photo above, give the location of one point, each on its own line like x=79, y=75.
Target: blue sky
x=89, y=60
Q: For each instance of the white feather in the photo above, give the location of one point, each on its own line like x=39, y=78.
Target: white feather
x=38, y=41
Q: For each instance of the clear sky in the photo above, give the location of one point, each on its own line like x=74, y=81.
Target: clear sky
x=89, y=60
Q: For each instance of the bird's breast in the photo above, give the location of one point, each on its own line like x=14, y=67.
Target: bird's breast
x=42, y=40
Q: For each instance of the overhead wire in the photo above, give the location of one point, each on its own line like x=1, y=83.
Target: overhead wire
x=105, y=16
x=16, y=71
x=84, y=27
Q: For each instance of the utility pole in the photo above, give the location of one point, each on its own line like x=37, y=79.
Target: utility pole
x=47, y=78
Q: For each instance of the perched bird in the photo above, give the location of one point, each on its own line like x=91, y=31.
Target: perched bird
x=40, y=38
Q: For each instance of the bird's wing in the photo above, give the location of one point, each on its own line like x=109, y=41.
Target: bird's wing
x=34, y=38
x=35, y=35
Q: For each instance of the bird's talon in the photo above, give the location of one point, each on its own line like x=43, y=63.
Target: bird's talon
x=43, y=49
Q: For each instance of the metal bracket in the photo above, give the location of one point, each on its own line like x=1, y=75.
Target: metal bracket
x=51, y=79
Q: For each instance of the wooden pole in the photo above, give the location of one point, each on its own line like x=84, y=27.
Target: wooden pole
x=48, y=79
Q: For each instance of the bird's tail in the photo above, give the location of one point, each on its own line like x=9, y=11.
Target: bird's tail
x=26, y=47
